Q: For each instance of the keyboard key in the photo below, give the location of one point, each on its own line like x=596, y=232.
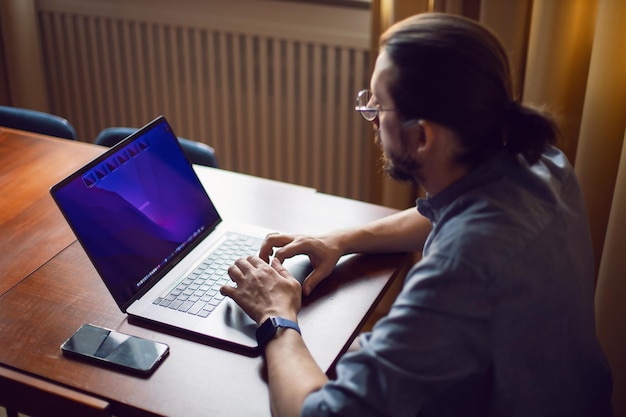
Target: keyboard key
x=196, y=307
x=185, y=306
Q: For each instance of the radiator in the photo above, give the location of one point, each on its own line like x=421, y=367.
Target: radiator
x=271, y=106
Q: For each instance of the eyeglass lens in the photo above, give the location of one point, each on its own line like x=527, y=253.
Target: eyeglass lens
x=364, y=107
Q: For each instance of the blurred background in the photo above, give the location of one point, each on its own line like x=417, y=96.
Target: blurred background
x=270, y=84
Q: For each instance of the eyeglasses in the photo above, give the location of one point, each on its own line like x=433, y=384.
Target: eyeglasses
x=365, y=107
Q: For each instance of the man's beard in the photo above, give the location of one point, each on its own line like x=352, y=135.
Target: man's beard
x=400, y=166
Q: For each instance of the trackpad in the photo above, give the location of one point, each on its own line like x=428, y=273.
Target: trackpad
x=299, y=266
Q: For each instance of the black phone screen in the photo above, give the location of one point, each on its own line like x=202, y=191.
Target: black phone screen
x=108, y=347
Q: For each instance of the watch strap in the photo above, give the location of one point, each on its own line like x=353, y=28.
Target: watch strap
x=267, y=330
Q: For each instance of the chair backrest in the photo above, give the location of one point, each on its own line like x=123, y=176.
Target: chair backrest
x=197, y=152
x=36, y=122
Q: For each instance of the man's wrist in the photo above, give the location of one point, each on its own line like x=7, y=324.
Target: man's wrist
x=268, y=329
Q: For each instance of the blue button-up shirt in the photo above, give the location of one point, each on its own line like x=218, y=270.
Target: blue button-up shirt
x=497, y=318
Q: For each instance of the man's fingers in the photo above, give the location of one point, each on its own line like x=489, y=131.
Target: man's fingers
x=271, y=241
x=246, y=264
x=243, y=266
x=227, y=290
x=311, y=282
x=280, y=268
x=235, y=273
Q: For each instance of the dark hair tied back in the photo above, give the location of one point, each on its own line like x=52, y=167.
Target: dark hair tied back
x=528, y=131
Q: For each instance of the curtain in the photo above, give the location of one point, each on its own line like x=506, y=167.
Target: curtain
x=569, y=56
x=23, y=81
x=601, y=167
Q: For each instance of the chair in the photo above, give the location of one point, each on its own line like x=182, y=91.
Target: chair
x=35, y=397
x=197, y=152
x=36, y=122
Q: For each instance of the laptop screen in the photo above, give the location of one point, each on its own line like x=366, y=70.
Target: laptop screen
x=137, y=209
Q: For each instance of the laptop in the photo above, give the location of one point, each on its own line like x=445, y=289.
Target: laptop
x=148, y=225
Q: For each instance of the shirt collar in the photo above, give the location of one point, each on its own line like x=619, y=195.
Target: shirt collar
x=431, y=206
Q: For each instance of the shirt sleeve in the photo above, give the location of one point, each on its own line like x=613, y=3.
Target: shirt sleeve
x=435, y=336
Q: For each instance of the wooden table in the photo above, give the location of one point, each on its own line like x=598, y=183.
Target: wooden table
x=60, y=290
x=32, y=230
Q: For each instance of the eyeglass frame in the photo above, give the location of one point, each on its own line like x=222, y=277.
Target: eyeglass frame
x=365, y=109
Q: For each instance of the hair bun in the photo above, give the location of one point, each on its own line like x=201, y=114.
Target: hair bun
x=529, y=130
x=514, y=110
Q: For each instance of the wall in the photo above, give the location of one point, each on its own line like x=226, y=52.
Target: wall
x=269, y=84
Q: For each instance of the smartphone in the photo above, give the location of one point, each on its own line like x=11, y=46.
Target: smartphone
x=124, y=352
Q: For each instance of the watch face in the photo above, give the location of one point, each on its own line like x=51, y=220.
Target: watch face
x=265, y=332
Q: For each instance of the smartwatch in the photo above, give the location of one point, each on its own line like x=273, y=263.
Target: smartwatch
x=267, y=330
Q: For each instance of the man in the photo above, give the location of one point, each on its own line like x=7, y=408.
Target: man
x=497, y=318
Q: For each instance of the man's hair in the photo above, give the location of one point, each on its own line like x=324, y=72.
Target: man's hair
x=453, y=71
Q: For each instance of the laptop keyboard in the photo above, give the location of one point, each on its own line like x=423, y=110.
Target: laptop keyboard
x=199, y=292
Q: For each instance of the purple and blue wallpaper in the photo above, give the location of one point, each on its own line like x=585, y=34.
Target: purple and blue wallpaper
x=136, y=209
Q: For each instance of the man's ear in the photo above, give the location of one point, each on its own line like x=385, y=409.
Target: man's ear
x=422, y=133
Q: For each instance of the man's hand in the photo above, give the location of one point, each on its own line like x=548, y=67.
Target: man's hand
x=263, y=290
x=323, y=252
